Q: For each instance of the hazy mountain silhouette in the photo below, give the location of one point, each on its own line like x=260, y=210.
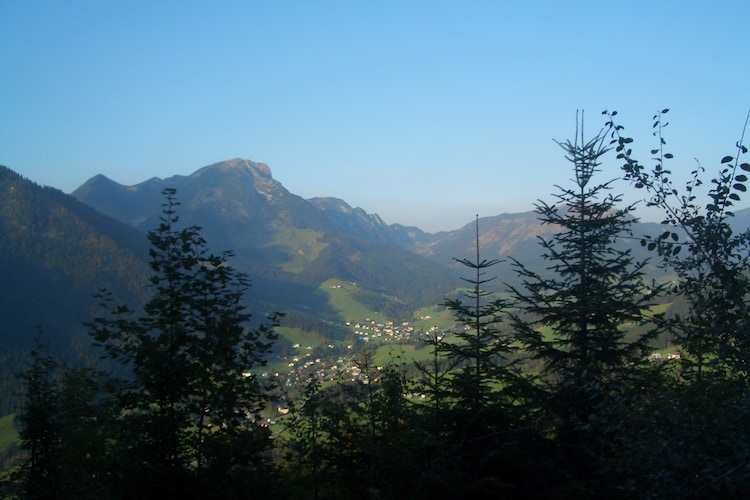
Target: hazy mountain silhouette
x=286, y=243
x=283, y=239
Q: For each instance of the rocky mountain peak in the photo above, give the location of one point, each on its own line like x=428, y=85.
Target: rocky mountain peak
x=237, y=166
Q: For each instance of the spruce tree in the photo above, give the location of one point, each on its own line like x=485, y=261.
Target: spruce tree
x=487, y=391
x=482, y=349
x=580, y=306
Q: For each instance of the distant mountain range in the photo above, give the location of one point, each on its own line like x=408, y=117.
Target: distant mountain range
x=288, y=245
x=57, y=250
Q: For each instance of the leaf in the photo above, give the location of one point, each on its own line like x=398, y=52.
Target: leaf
x=651, y=245
x=741, y=178
x=740, y=187
x=727, y=159
x=734, y=196
x=745, y=167
x=674, y=236
x=665, y=110
x=668, y=155
x=676, y=250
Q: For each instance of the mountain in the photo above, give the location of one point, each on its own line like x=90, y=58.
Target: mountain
x=290, y=246
x=55, y=254
x=500, y=237
x=287, y=245
x=516, y=236
x=370, y=226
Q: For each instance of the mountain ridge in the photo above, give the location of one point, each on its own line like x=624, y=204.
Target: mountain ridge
x=501, y=236
x=276, y=236
x=55, y=254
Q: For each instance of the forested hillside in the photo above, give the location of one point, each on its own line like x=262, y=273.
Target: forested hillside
x=55, y=254
x=553, y=388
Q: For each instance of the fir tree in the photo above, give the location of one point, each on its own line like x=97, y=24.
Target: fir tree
x=482, y=349
x=580, y=307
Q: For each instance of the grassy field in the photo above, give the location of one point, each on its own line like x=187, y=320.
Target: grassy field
x=8, y=432
x=297, y=336
x=438, y=316
x=399, y=354
x=308, y=244
x=340, y=297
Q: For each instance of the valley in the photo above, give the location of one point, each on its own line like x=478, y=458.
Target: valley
x=383, y=330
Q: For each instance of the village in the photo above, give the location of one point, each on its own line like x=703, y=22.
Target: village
x=335, y=362
x=339, y=362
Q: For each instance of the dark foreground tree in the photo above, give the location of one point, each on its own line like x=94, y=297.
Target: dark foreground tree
x=700, y=418
x=189, y=407
x=579, y=309
x=40, y=431
x=709, y=256
x=63, y=431
x=475, y=412
x=482, y=348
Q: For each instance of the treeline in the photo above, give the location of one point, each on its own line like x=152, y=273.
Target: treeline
x=546, y=391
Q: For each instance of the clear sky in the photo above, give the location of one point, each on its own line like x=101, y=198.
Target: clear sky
x=423, y=112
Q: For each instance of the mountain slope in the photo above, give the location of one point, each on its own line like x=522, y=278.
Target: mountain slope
x=370, y=226
x=55, y=254
x=287, y=245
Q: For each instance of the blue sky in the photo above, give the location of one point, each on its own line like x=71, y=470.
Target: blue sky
x=423, y=112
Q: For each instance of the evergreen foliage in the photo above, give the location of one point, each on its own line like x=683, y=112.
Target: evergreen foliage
x=40, y=432
x=550, y=393
x=594, y=292
x=482, y=349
